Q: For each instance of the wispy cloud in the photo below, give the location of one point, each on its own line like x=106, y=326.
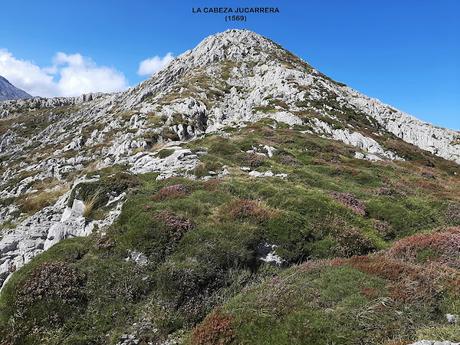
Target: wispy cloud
x=69, y=75
x=152, y=65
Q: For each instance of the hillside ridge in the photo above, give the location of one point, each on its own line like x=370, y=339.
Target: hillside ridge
x=8, y=91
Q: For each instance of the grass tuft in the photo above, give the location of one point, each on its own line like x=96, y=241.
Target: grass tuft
x=90, y=203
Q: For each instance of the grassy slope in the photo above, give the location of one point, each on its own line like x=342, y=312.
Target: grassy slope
x=364, y=300
x=201, y=238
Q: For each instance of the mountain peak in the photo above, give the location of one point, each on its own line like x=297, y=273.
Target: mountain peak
x=240, y=37
x=237, y=36
x=218, y=54
x=239, y=76
x=235, y=45
x=9, y=91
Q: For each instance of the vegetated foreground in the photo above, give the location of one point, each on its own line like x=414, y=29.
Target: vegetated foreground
x=326, y=249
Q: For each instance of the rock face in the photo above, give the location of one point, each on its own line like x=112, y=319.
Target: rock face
x=228, y=80
x=47, y=227
x=9, y=91
x=60, y=221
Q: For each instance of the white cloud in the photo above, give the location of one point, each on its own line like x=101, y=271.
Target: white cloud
x=154, y=64
x=69, y=75
x=26, y=75
x=79, y=74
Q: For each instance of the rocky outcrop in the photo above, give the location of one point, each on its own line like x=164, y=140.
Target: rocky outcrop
x=55, y=223
x=179, y=160
x=47, y=227
x=25, y=104
x=439, y=141
x=374, y=151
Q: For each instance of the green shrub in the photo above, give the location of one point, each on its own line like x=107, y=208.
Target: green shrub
x=103, y=189
x=406, y=216
x=165, y=153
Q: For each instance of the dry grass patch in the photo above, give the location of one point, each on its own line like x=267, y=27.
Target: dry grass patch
x=246, y=209
x=441, y=247
x=90, y=203
x=36, y=201
x=409, y=283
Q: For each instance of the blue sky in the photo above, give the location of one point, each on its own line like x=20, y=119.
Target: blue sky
x=406, y=53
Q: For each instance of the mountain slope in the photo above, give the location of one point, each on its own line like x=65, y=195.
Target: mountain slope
x=9, y=91
x=199, y=186
x=252, y=76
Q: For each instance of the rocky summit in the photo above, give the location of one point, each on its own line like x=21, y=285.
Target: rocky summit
x=238, y=196
x=9, y=91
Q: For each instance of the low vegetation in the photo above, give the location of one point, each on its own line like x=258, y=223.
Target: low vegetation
x=362, y=300
x=369, y=253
